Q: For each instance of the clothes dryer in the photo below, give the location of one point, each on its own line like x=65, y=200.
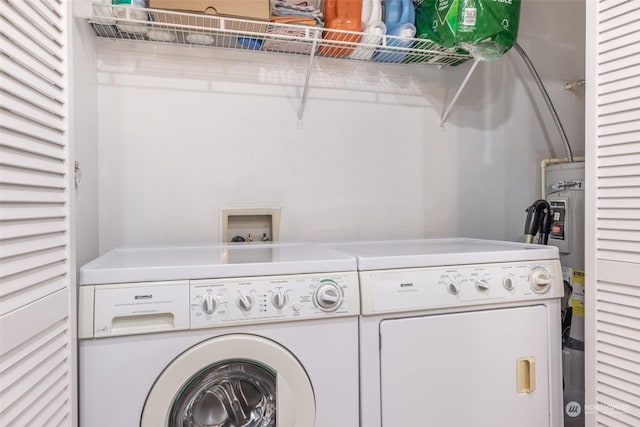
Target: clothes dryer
x=228, y=336
x=458, y=333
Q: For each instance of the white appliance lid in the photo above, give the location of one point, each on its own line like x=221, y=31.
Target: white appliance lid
x=126, y=265
x=392, y=254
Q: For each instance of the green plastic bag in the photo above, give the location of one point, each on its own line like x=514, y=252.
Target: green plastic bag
x=437, y=20
x=487, y=28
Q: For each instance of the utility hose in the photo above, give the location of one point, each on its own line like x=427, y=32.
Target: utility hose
x=547, y=100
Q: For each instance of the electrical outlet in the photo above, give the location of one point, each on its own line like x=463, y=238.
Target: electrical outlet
x=249, y=224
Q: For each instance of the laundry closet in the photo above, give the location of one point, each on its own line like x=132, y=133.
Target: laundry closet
x=157, y=139
x=169, y=135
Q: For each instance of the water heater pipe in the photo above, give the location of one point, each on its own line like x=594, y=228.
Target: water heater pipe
x=547, y=100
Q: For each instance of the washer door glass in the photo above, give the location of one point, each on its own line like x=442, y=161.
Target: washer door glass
x=237, y=393
x=231, y=381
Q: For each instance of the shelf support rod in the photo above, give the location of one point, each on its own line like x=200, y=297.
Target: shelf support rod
x=460, y=88
x=305, y=90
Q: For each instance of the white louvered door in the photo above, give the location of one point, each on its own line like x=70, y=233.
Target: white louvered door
x=37, y=324
x=613, y=214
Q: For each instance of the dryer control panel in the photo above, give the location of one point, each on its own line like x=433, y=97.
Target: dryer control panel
x=218, y=302
x=453, y=286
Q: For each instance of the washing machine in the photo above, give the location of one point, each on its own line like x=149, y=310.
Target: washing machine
x=226, y=336
x=459, y=333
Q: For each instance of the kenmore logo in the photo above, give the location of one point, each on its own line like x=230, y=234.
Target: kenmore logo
x=149, y=296
x=406, y=285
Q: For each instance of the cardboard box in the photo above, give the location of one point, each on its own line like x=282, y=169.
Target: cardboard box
x=244, y=9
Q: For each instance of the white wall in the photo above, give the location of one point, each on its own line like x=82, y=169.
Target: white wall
x=84, y=119
x=185, y=132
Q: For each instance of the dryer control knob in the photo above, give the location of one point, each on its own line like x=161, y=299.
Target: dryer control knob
x=482, y=285
x=509, y=283
x=328, y=296
x=279, y=299
x=245, y=302
x=209, y=304
x=540, y=280
x=453, y=288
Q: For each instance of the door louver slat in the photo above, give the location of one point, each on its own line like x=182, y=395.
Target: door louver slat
x=21, y=75
x=620, y=148
x=618, y=141
x=621, y=214
x=632, y=366
x=31, y=129
x=628, y=162
x=32, y=278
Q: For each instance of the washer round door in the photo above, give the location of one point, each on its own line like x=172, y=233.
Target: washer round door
x=237, y=380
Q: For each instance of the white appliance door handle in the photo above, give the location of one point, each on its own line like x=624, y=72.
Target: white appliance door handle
x=526, y=374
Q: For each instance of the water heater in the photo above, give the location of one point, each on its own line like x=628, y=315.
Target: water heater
x=565, y=194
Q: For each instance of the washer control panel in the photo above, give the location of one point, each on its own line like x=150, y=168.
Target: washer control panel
x=214, y=302
x=440, y=287
x=147, y=307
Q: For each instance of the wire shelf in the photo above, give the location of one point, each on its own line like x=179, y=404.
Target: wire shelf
x=164, y=26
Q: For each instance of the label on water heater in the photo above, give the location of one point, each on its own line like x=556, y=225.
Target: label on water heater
x=559, y=210
x=576, y=302
x=577, y=297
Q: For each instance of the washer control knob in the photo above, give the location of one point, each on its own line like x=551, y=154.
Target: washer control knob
x=453, y=288
x=279, y=299
x=509, y=283
x=245, y=302
x=327, y=296
x=209, y=304
x=482, y=285
x=540, y=280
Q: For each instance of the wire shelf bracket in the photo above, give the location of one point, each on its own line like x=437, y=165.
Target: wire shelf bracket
x=458, y=92
x=305, y=89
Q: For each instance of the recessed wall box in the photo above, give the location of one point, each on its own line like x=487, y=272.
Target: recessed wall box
x=249, y=224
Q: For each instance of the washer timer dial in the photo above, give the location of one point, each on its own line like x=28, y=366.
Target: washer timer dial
x=327, y=296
